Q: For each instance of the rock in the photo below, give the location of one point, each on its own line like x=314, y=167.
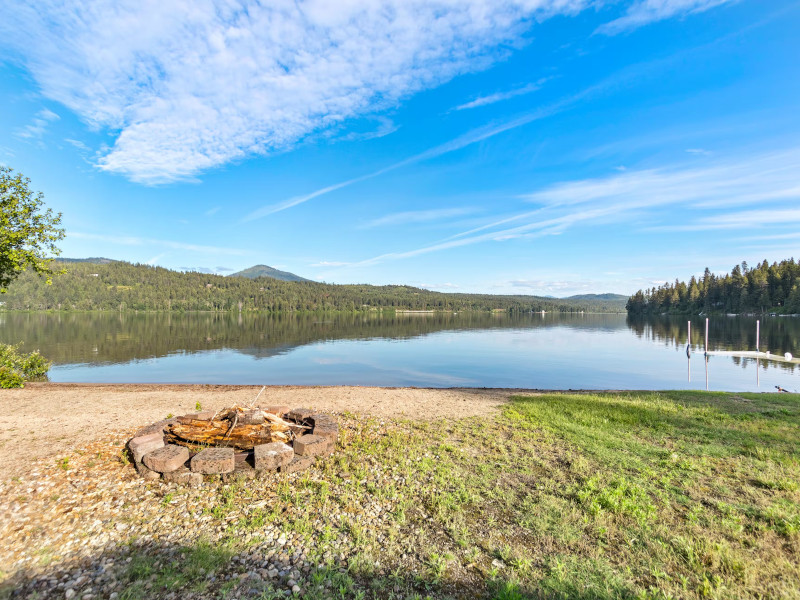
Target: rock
x=241, y=470
x=168, y=458
x=295, y=589
x=269, y=457
x=158, y=427
x=144, y=444
x=70, y=593
x=180, y=475
x=327, y=427
x=300, y=414
x=145, y=473
x=214, y=460
x=299, y=463
x=195, y=480
x=311, y=445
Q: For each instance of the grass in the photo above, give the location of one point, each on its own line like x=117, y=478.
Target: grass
x=641, y=495
x=646, y=495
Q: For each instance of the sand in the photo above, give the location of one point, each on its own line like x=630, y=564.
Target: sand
x=50, y=419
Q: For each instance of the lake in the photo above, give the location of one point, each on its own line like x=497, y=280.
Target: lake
x=548, y=351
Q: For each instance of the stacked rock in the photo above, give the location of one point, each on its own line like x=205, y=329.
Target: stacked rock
x=315, y=436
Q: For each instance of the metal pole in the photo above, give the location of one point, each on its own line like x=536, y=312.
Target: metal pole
x=706, y=335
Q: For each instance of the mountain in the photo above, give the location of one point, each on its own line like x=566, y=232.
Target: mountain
x=265, y=271
x=93, y=260
x=122, y=286
x=604, y=297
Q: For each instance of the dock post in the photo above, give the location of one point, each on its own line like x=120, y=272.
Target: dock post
x=758, y=332
x=758, y=335
x=706, y=335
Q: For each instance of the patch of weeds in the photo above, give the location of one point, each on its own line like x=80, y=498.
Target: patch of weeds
x=617, y=495
x=436, y=564
x=63, y=463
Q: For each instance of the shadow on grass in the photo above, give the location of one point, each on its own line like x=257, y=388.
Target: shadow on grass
x=164, y=571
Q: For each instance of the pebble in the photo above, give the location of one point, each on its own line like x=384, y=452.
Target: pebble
x=90, y=522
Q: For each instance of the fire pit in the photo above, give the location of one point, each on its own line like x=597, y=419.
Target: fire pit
x=233, y=442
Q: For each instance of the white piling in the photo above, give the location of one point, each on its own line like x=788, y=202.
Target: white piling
x=758, y=332
x=706, y=334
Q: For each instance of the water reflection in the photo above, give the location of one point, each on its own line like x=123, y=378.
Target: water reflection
x=776, y=334
x=468, y=349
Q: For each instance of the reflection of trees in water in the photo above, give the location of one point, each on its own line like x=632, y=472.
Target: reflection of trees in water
x=778, y=335
x=106, y=337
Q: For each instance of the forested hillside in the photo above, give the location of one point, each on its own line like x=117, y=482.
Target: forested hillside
x=763, y=289
x=265, y=271
x=125, y=286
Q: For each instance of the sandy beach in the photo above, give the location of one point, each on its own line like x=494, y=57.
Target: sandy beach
x=48, y=419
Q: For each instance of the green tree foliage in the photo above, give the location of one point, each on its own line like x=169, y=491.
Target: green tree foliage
x=121, y=286
x=27, y=233
x=16, y=367
x=765, y=288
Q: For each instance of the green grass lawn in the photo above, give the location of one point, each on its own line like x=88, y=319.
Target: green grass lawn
x=640, y=495
x=585, y=496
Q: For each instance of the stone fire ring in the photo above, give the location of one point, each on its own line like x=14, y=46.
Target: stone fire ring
x=154, y=458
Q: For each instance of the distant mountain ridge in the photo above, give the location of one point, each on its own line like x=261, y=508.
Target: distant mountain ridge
x=267, y=271
x=607, y=297
x=96, y=260
x=104, y=284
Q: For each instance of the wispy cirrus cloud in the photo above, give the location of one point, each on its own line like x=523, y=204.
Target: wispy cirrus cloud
x=124, y=240
x=500, y=96
x=188, y=86
x=38, y=126
x=648, y=11
x=419, y=216
x=772, y=180
x=330, y=263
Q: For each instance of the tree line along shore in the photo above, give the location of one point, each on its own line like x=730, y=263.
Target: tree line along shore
x=119, y=285
x=761, y=289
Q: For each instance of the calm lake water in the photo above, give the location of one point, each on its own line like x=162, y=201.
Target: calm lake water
x=432, y=350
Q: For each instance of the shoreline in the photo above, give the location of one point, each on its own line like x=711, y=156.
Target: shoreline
x=45, y=420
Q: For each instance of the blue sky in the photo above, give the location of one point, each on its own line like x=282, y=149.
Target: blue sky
x=533, y=146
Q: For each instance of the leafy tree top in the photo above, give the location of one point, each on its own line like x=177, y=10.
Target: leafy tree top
x=28, y=232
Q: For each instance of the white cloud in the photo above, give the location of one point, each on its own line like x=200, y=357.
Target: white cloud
x=140, y=241
x=648, y=11
x=78, y=144
x=500, y=96
x=191, y=85
x=418, y=216
x=329, y=263
x=39, y=125
x=438, y=286
x=769, y=180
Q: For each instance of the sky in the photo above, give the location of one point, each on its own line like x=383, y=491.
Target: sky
x=548, y=147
